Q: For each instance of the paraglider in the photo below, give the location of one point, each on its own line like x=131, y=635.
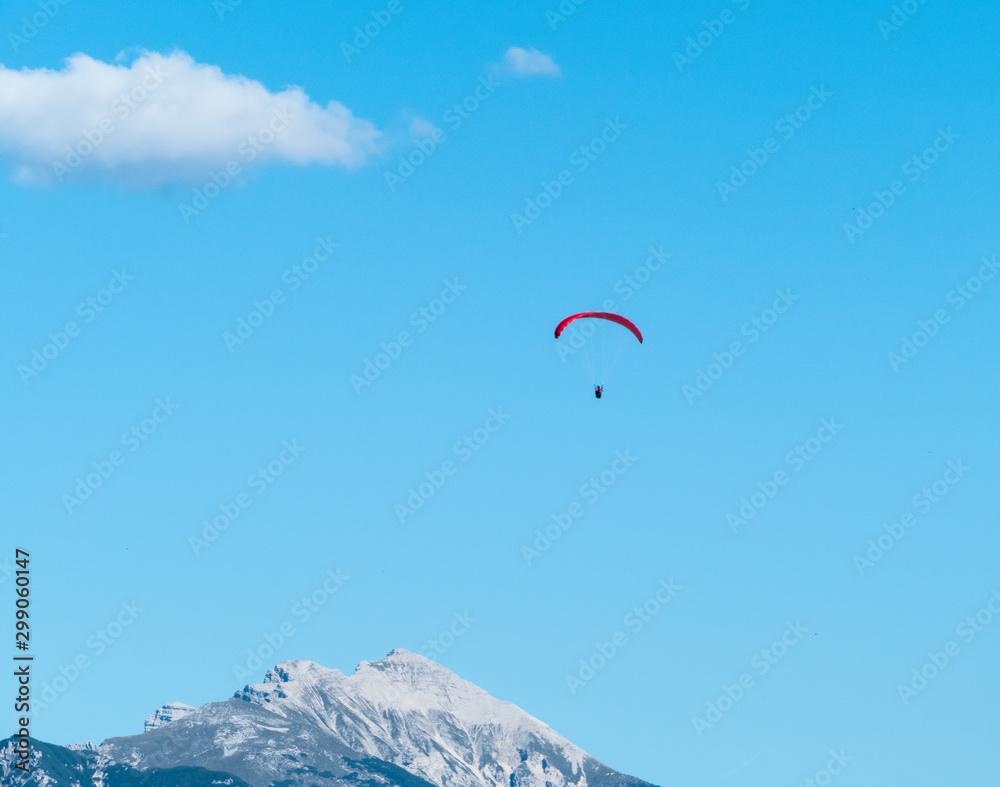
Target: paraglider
x=598, y=370
x=599, y=316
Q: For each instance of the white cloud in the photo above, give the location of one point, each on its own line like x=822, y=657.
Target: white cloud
x=421, y=128
x=519, y=62
x=164, y=119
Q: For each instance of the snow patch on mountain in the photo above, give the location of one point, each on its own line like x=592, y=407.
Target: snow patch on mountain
x=86, y=746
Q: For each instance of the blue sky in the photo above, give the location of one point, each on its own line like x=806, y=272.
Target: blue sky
x=864, y=248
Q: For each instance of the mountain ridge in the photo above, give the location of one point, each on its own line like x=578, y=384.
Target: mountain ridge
x=400, y=721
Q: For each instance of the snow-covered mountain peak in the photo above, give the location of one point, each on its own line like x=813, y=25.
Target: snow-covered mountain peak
x=402, y=660
x=402, y=682
x=166, y=714
x=411, y=711
x=297, y=670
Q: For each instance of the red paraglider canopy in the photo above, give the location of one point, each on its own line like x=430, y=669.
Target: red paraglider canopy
x=601, y=316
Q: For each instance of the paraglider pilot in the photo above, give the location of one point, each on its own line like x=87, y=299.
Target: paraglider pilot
x=598, y=390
